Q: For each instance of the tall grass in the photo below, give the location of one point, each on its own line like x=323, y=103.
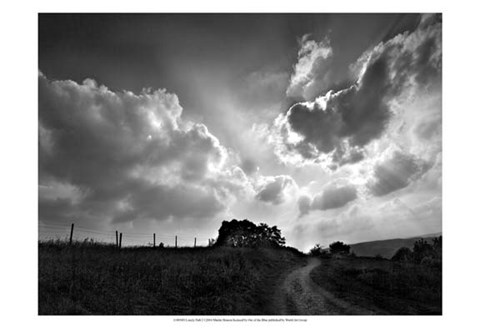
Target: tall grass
x=93, y=278
x=384, y=286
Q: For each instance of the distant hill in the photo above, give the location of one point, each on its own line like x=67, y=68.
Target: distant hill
x=387, y=248
x=437, y=234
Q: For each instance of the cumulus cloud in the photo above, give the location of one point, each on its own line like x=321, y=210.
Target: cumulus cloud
x=336, y=127
x=131, y=156
x=273, y=189
x=396, y=172
x=310, y=76
x=333, y=196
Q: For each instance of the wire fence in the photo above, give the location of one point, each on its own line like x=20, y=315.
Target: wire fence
x=76, y=233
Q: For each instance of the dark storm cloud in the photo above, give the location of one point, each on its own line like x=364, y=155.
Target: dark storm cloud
x=160, y=202
x=126, y=156
x=342, y=123
x=395, y=173
x=273, y=190
x=56, y=210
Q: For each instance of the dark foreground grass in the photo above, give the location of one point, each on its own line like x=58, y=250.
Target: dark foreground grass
x=383, y=286
x=100, y=279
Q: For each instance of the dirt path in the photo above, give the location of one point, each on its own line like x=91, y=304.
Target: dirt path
x=298, y=294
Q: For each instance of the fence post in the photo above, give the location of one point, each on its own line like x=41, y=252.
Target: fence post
x=154, y=240
x=175, y=241
x=116, y=238
x=71, y=234
x=120, y=241
x=195, y=242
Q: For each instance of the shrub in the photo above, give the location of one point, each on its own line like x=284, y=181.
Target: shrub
x=339, y=247
x=319, y=251
x=423, y=253
x=437, y=247
x=421, y=250
x=403, y=254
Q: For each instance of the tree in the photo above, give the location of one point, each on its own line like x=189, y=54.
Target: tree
x=339, y=247
x=244, y=233
x=437, y=247
x=270, y=236
x=422, y=249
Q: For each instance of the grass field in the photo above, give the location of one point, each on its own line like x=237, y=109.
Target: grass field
x=92, y=278
x=89, y=278
x=383, y=286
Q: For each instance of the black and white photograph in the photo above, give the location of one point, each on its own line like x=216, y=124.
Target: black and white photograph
x=237, y=164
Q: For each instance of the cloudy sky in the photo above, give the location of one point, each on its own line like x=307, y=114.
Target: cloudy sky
x=328, y=126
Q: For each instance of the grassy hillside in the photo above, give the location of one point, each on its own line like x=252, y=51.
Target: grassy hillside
x=386, y=248
x=383, y=286
x=100, y=279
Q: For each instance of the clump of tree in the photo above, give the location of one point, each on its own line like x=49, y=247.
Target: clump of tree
x=245, y=233
x=319, y=251
x=422, y=253
x=339, y=247
x=335, y=248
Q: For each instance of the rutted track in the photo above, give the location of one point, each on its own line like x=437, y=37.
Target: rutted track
x=298, y=294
